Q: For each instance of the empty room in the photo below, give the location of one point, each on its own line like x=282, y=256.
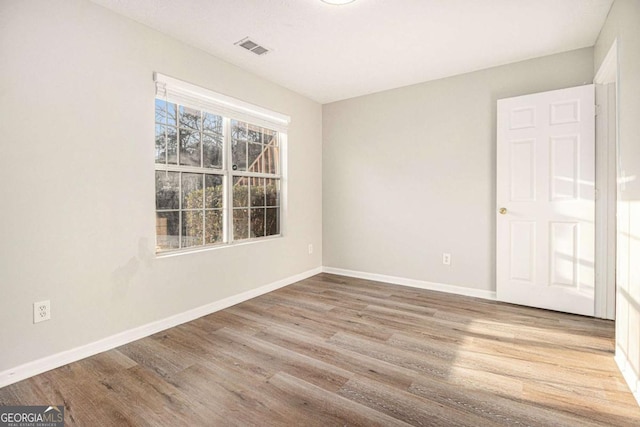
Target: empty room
x=320, y=212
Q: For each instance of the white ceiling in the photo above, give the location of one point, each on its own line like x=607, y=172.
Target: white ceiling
x=329, y=53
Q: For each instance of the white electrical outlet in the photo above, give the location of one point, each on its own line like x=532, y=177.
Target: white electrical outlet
x=310, y=248
x=446, y=258
x=41, y=311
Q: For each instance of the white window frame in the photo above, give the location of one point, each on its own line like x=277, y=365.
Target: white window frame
x=186, y=94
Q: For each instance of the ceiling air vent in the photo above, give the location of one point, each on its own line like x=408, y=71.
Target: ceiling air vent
x=252, y=46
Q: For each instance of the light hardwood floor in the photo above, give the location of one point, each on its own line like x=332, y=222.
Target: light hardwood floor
x=332, y=350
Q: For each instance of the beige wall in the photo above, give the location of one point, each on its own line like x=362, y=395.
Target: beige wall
x=77, y=179
x=410, y=173
x=623, y=23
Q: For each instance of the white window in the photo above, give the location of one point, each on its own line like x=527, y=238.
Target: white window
x=218, y=168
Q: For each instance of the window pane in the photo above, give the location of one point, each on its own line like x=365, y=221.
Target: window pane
x=212, y=151
x=167, y=228
x=167, y=190
x=238, y=130
x=257, y=191
x=192, y=191
x=172, y=145
x=257, y=222
x=270, y=137
x=171, y=114
x=240, y=224
x=272, y=159
x=254, y=134
x=189, y=147
x=240, y=192
x=161, y=111
x=255, y=157
x=272, y=222
x=191, y=228
x=213, y=227
x=214, y=191
x=239, y=155
x=190, y=118
x=161, y=144
x=272, y=192
x=211, y=123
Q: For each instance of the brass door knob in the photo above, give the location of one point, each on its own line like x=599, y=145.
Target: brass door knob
x=503, y=211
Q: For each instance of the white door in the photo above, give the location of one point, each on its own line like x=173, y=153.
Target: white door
x=545, y=197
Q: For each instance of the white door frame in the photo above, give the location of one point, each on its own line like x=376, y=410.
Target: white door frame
x=606, y=184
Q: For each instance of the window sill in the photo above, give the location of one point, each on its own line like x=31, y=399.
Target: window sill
x=199, y=249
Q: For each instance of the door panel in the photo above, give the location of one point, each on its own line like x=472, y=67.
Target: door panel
x=522, y=167
x=564, y=252
x=546, y=183
x=523, y=249
x=564, y=168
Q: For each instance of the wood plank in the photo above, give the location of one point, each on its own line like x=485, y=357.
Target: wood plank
x=409, y=407
x=322, y=408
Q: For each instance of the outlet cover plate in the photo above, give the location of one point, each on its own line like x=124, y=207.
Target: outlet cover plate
x=446, y=258
x=41, y=311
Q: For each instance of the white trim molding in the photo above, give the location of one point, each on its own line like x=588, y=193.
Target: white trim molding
x=608, y=71
x=630, y=376
x=413, y=283
x=48, y=363
x=605, y=220
x=606, y=81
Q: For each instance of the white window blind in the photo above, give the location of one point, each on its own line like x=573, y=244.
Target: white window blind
x=180, y=92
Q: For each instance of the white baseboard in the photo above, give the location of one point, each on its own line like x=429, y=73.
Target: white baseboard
x=39, y=366
x=629, y=375
x=421, y=284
